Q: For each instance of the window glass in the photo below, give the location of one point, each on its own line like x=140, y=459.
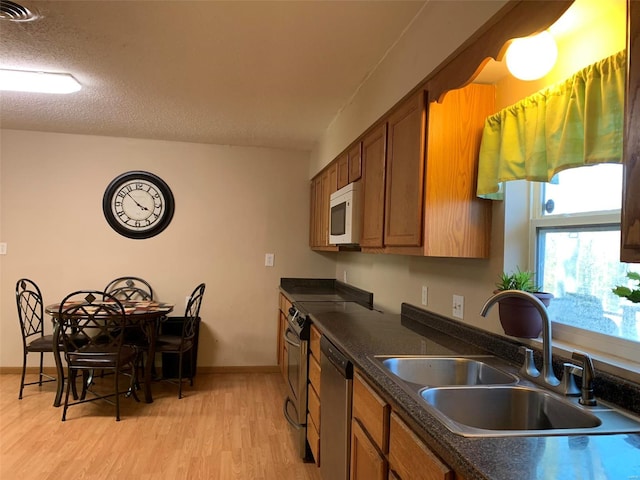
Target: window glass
x=587, y=189
x=580, y=266
x=577, y=242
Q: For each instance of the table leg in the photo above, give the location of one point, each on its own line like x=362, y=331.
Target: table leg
x=148, y=368
x=59, y=369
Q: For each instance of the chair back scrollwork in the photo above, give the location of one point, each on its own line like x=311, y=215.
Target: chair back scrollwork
x=130, y=288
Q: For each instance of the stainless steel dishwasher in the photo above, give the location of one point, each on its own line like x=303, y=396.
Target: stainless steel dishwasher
x=336, y=380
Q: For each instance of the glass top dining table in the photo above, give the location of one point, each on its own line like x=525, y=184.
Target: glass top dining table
x=146, y=314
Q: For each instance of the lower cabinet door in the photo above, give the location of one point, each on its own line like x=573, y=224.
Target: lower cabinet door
x=313, y=438
x=367, y=463
x=410, y=458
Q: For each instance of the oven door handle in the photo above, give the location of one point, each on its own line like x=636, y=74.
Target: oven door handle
x=288, y=335
x=291, y=421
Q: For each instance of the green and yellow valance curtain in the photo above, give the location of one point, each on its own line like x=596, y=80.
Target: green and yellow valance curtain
x=573, y=123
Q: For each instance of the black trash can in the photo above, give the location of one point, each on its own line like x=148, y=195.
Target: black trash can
x=170, y=361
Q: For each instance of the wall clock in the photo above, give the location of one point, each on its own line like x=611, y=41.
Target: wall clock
x=138, y=204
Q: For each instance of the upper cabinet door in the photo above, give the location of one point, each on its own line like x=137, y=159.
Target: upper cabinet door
x=630, y=222
x=405, y=173
x=457, y=223
x=355, y=162
x=343, y=170
x=374, y=147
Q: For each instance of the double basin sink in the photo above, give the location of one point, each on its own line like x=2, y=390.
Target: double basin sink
x=474, y=398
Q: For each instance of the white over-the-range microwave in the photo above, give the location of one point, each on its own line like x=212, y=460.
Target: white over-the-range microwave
x=344, y=217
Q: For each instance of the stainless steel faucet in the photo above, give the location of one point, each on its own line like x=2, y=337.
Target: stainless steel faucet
x=528, y=370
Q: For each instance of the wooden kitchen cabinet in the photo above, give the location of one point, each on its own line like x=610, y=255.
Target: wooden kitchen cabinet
x=316, y=215
x=374, y=150
x=314, y=416
x=630, y=220
x=430, y=205
x=457, y=222
x=322, y=186
x=404, y=183
x=393, y=178
x=343, y=170
x=369, y=432
x=366, y=461
x=418, y=179
x=371, y=411
x=349, y=165
x=382, y=444
x=410, y=458
x=355, y=162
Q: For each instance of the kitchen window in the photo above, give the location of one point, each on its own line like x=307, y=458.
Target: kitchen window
x=575, y=234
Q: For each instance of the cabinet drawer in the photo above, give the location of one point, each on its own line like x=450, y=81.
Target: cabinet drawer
x=314, y=342
x=372, y=412
x=314, y=374
x=410, y=458
x=314, y=406
x=313, y=437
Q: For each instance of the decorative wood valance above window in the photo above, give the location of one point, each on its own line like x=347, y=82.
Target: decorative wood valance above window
x=573, y=123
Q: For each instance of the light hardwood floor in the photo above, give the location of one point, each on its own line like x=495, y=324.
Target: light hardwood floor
x=228, y=426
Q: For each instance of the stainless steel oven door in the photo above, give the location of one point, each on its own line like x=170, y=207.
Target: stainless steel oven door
x=295, y=405
x=297, y=371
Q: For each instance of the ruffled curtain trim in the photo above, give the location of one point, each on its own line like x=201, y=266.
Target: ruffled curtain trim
x=574, y=123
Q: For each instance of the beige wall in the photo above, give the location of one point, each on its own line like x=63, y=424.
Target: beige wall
x=233, y=205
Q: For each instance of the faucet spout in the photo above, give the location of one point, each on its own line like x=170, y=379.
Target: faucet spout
x=548, y=376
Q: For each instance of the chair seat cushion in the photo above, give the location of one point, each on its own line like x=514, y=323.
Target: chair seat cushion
x=94, y=357
x=171, y=343
x=41, y=344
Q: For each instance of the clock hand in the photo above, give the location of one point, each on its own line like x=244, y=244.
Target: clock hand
x=141, y=206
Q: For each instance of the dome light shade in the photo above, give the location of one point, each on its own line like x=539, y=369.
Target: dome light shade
x=530, y=58
x=42, y=82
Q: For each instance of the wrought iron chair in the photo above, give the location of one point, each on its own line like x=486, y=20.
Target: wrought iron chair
x=91, y=328
x=133, y=289
x=186, y=342
x=31, y=316
x=130, y=288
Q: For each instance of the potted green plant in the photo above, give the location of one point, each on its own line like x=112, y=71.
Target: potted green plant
x=632, y=295
x=519, y=317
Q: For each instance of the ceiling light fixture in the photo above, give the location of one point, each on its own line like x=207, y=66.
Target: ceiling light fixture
x=41, y=82
x=530, y=58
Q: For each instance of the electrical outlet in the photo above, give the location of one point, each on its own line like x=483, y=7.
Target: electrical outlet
x=424, y=295
x=268, y=259
x=458, y=306
x=344, y=275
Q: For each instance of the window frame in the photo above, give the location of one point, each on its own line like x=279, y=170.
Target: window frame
x=589, y=340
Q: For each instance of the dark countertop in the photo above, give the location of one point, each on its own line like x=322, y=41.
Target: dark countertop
x=361, y=332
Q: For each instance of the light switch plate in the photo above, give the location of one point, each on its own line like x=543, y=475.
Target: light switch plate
x=425, y=292
x=269, y=259
x=3, y=248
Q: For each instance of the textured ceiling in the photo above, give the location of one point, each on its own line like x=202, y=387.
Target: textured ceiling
x=261, y=73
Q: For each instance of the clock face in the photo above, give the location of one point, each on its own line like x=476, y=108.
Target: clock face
x=138, y=204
